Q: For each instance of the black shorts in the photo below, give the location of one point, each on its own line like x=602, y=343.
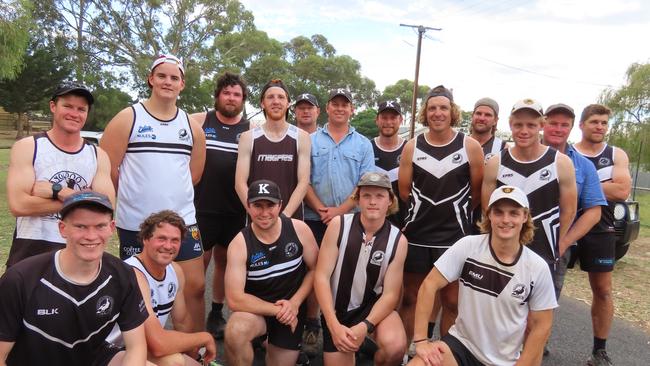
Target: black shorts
x=105, y=354
x=318, y=229
x=25, y=248
x=190, y=247
x=219, y=229
x=280, y=335
x=461, y=354
x=349, y=319
x=421, y=259
x=597, y=252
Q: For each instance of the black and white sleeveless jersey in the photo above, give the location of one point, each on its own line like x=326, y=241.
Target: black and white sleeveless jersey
x=74, y=170
x=388, y=162
x=439, y=204
x=276, y=161
x=274, y=271
x=55, y=321
x=539, y=179
x=155, y=172
x=492, y=147
x=215, y=193
x=604, y=163
x=358, y=278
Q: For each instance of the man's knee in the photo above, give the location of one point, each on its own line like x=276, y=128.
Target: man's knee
x=176, y=359
x=238, y=330
x=601, y=285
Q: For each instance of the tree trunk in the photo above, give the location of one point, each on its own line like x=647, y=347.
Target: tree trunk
x=20, y=126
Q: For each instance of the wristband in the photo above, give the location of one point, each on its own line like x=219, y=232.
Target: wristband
x=369, y=325
x=420, y=340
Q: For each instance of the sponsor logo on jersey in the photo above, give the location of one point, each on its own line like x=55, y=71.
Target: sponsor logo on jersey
x=197, y=247
x=256, y=257
x=377, y=257
x=291, y=250
x=507, y=175
x=210, y=133
x=145, y=128
x=183, y=135
x=519, y=291
x=275, y=157
x=545, y=174
x=142, y=307
x=46, y=312
x=130, y=250
x=104, y=305
x=603, y=161
x=456, y=158
x=421, y=158
x=194, y=230
x=477, y=276
x=171, y=290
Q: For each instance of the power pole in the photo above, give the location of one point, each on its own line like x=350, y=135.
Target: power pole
x=421, y=30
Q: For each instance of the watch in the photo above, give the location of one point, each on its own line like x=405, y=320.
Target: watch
x=56, y=188
x=369, y=325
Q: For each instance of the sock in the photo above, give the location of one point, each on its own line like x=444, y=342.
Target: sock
x=599, y=343
x=430, y=329
x=216, y=308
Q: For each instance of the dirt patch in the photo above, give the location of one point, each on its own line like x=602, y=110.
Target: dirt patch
x=630, y=285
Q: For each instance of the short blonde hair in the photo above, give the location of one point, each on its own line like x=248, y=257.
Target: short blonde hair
x=455, y=114
x=394, y=202
x=527, y=229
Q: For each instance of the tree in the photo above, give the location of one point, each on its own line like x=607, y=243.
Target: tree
x=630, y=105
x=108, y=101
x=402, y=92
x=365, y=124
x=44, y=68
x=15, y=23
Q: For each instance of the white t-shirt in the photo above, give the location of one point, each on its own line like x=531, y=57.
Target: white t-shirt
x=495, y=298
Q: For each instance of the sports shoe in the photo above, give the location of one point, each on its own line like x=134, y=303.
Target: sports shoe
x=215, y=325
x=302, y=360
x=310, y=341
x=546, y=351
x=599, y=358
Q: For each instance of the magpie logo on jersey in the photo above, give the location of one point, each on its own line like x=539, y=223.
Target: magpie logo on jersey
x=183, y=135
x=377, y=258
x=104, y=305
x=519, y=291
x=237, y=137
x=488, y=156
x=291, y=249
x=603, y=162
x=545, y=174
x=457, y=158
x=171, y=290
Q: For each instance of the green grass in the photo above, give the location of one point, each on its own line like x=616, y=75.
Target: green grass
x=644, y=212
x=7, y=222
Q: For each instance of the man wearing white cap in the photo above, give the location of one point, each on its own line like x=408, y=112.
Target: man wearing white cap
x=547, y=177
x=157, y=155
x=506, y=297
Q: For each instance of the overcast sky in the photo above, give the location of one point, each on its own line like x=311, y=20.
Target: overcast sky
x=550, y=50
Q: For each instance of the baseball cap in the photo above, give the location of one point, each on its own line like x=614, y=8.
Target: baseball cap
x=168, y=59
x=309, y=98
x=68, y=87
x=85, y=198
x=342, y=92
x=389, y=105
x=277, y=83
x=560, y=107
x=264, y=189
x=440, y=91
x=488, y=102
x=529, y=104
x=375, y=179
x=509, y=192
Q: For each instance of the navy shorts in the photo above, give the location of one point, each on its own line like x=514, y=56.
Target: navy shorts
x=421, y=259
x=219, y=229
x=191, y=246
x=597, y=252
x=280, y=335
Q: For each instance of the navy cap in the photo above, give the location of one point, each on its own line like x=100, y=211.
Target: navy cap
x=389, y=105
x=264, y=189
x=340, y=92
x=69, y=87
x=85, y=198
x=309, y=98
x=440, y=91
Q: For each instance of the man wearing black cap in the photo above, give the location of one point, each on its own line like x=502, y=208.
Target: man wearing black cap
x=358, y=278
x=307, y=112
x=388, y=147
x=157, y=154
x=340, y=156
x=276, y=150
x=219, y=213
x=57, y=308
x=269, y=274
x=440, y=176
x=47, y=168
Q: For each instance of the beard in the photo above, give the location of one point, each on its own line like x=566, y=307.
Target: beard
x=229, y=110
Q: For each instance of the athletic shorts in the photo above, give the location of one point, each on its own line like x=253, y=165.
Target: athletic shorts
x=25, y=248
x=219, y=229
x=421, y=259
x=318, y=229
x=597, y=252
x=349, y=319
x=461, y=354
x=280, y=335
x=190, y=247
x=106, y=353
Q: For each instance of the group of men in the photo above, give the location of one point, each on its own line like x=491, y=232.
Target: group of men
x=376, y=236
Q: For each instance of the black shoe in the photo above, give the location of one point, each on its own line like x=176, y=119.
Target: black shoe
x=599, y=358
x=303, y=359
x=546, y=351
x=215, y=325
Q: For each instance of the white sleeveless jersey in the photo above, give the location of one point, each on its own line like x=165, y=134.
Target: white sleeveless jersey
x=155, y=172
x=74, y=170
x=162, y=292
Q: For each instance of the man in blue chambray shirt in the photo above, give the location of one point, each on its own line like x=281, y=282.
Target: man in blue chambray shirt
x=559, y=122
x=339, y=157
